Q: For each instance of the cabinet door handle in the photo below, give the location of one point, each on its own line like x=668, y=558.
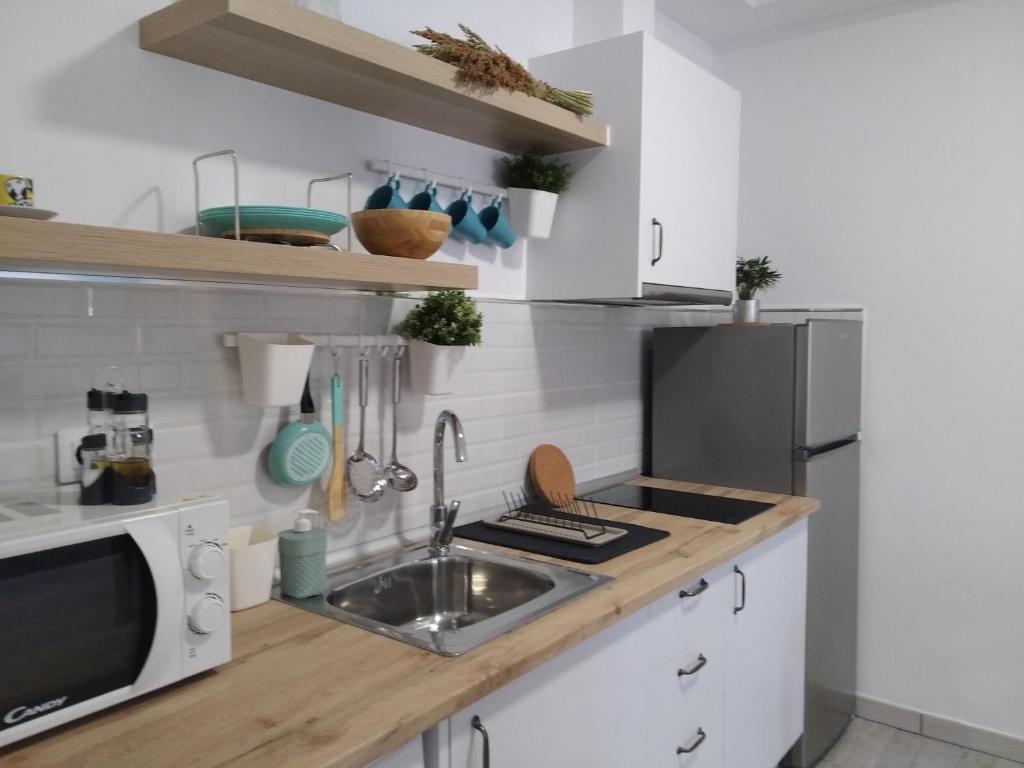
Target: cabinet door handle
x=697, y=741
x=743, y=590
x=703, y=585
x=657, y=245
x=698, y=665
x=479, y=726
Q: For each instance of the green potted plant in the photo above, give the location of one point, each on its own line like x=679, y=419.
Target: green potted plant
x=752, y=275
x=534, y=185
x=439, y=329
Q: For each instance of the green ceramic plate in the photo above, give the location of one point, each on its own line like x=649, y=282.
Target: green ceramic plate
x=214, y=221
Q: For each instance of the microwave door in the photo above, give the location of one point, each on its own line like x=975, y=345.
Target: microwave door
x=86, y=619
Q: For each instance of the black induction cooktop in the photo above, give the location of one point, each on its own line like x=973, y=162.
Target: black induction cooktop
x=718, y=509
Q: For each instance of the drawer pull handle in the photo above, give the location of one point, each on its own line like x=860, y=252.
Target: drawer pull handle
x=701, y=662
x=701, y=587
x=693, y=744
x=479, y=726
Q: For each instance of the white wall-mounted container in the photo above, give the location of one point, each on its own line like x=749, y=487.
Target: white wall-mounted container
x=274, y=367
x=253, y=551
x=531, y=212
x=433, y=367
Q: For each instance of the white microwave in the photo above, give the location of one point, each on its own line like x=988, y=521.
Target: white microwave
x=99, y=605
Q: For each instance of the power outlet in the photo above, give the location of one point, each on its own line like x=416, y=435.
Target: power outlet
x=68, y=468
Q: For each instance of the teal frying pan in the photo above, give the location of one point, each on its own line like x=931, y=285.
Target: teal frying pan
x=301, y=452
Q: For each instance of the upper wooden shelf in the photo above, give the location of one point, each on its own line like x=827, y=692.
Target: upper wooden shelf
x=281, y=44
x=48, y=246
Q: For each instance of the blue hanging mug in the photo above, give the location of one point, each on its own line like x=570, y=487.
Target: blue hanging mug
x=426, y=200
x=498, y=229
x=466, y=224
x=386, y=195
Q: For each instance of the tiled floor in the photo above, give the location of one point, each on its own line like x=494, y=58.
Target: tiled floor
x=871, y=745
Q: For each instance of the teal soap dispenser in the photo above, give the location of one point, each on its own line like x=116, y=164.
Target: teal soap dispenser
x=303, y=550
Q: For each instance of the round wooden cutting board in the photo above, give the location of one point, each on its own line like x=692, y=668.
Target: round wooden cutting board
x=551, y=475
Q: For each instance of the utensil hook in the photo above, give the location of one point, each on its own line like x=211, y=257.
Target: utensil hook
x=195, y=173
x=364, y=348
x=335, y=352
x=347, y=175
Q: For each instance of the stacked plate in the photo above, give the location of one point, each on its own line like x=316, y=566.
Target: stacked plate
x=273, y=223
x=26, y=212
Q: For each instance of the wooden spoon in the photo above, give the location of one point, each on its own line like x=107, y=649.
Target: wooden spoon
x=336, y=491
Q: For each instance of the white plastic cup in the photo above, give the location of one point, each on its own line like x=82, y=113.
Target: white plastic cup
x=274, y=367
x=253, y=551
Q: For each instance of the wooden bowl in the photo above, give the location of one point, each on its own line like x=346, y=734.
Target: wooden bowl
x=403, y=232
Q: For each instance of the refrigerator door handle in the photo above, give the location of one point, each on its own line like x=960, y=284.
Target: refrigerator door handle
x=809, y=454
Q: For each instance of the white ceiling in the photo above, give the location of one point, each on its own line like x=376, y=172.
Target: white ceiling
x=730, y=23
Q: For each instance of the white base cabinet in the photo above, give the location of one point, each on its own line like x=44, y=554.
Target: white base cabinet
x=709, y=676
x=685, y=689
x=410, y=755
x=583, y=709
x=765, y=638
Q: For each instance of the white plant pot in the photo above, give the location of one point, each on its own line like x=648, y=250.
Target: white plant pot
x=531, y=212
x=274, y=367
x=432, y=367
x=253, y=551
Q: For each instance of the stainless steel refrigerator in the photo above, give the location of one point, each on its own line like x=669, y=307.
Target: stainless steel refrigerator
x=777, y=408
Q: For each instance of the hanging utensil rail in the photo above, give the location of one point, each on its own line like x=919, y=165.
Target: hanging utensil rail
x=378, y=342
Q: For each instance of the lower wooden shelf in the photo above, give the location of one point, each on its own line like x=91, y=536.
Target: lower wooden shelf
x=48, y=246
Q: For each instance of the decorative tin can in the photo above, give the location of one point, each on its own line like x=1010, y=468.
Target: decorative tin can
x=16, y=190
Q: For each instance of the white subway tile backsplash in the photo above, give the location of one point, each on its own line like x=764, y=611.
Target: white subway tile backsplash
x=26, y=464
x=27, y=298
x=225, y=304
x=148, y=303
x=572, y=376
x=15, y=340
x=178, y=339
x=87, y=338
x=18, y=423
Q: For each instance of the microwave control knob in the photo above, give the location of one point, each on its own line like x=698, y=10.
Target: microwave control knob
x=207, y=615
x=207, y=561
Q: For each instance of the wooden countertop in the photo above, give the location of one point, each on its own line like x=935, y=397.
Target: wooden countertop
x=311, y=692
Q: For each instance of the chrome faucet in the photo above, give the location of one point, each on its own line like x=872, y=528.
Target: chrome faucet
x=442, y=516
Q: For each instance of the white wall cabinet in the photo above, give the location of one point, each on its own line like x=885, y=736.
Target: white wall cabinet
x=709, y=676
x=656, y=212
x=764, y=680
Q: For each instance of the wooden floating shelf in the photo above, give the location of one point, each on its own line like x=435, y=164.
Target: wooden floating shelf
x=47, y=246
x=278, y=43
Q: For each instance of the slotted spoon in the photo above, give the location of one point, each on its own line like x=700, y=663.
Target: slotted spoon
x=365, y=474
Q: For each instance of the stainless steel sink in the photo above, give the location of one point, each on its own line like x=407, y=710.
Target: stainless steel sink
x=448, y=604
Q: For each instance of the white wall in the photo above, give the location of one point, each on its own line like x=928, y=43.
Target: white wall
x=108, y=131
x=883, y=165
x=675, y=35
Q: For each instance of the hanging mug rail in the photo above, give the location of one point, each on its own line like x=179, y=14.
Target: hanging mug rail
x=441, y=179
x=366, y=342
